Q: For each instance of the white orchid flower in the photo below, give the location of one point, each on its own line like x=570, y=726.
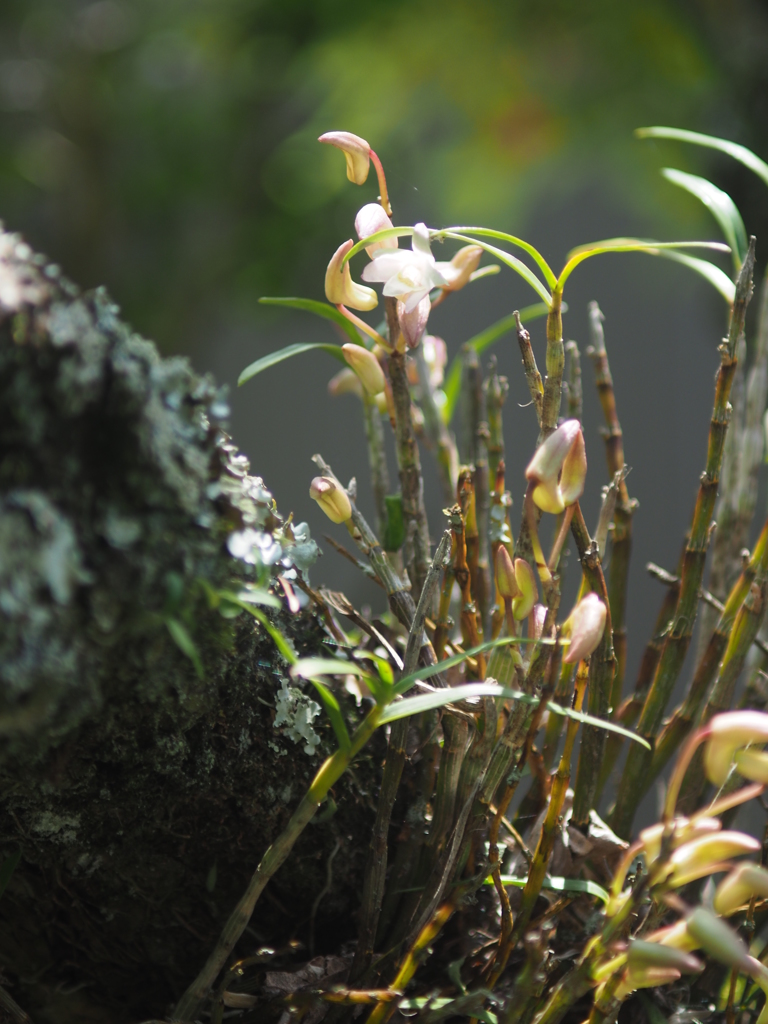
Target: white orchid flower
x=407, y=274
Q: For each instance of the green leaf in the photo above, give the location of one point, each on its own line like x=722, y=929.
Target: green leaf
x=279, y=640
x=716, y=277
x=480, y=342
x=584, y=252
x=506, y=257
x=322, y=309
x=456, y=659
x=377, y=236
x=185, y=643
x=306, y=667
x=251, y=595
x=741, y=153
x=546, y=270
x=720, y=205
x=559, y=885
x=7, y=868
x=333, y=710
x=285, y=353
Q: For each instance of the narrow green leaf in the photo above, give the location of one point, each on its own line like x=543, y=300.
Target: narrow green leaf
x=719, y=204
x=506, y=257
x=321, y=309
x=559, y=884
x=716, y=277
x=438, y=698
x=456, y=659
x=285, y=353
x=377, y=236
x=251, y=595
x=306, y=667
x=480, y=342
x=733, y=149
x=185, y=643
x=7, y=868
x=584, y=252
x=502, y=236
x=333, y=710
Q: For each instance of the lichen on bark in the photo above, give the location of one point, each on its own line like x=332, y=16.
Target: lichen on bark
x=140, y=794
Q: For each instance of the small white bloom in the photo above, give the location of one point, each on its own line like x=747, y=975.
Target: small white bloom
x=409, y=275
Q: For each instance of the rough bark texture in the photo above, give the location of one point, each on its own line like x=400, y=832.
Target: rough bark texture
x=140, y=796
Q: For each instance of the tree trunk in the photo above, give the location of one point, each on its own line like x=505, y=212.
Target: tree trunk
x=139, y=794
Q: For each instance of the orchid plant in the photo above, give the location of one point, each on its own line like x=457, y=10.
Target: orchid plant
x=479, y=672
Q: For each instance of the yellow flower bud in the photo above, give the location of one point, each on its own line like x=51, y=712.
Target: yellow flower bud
x=699, y=857
x=564, y=446
x=461, y=267
x=505, y=574
x=529, y=591
x=356, y=151
x=586, y=626
x=331, y=498
x=729, y=732
x=738, y=888
x=752, y=764
x=340, y=289
x=366, y=366
x=645, y=977
x=345, y=382
x=684, y=832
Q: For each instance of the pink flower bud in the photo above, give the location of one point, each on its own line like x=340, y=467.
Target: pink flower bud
x=546, y=465
x=340, y=289
x=345, y=382
x=366, y=366
x=699, y=857
x=738, y=888
x=505, y=574
x=370, y=219
x=718, y=939
x=653, y=954
x=529, y=591
x=587, y=624
x=729, y=731
x=413, y=323
x=356, y=151
x=331, y=498
x=574, y=474
x=684, y=832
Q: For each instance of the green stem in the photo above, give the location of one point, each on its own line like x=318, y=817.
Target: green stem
x=637, y=777
x=550, y=408
x=377, y=460
x=496, y=390
x=439, y=436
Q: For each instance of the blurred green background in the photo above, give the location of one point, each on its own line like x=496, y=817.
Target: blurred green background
x=168, y=151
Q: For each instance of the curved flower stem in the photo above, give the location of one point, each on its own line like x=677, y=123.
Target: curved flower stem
x=364, y=327
x=384, y=196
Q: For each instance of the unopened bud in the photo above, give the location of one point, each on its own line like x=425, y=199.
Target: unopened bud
x=587, y=624
x=574, y=474
x=654, y=954
x=356, y=151
x=752, y=764
x=684, y=831
x=701, y=856
x=413, y=323
x=529, y=591
x=738, y=888
x=505, y=574
x=345, y=382
x=729, y=732
x=645, y=977
x=461, y=267
x=545, y=467
x=717, y=938
x=340, y=289
x=331, y=498
x=366, y=366
x=370, y=219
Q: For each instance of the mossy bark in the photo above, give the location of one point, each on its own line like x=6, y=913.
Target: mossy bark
x=139, y=794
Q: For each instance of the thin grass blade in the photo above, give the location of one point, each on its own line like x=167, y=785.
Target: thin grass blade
x=719, y=204
x=733, y=149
